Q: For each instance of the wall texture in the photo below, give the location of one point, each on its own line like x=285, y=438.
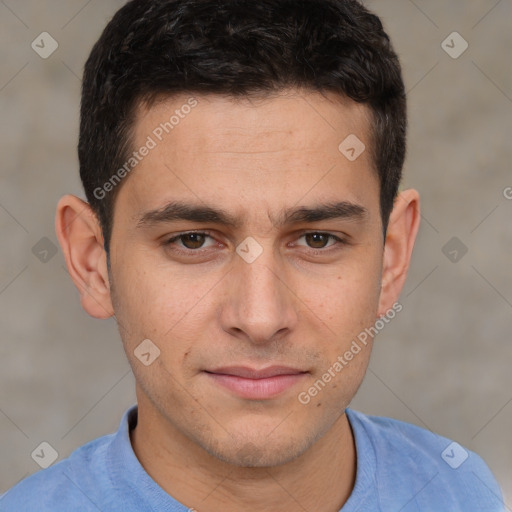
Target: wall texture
x=443, y=363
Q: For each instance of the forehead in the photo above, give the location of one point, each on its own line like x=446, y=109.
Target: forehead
x=250, y=151
x=298, y=116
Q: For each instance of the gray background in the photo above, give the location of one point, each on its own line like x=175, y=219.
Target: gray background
x=443, y=363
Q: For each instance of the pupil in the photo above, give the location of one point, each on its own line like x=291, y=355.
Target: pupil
x=321, y=239
x=196, y=240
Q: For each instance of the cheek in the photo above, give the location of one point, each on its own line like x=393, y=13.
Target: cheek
x=348, y=300
x=150, y=307
x=161, y=305
x=349, y=307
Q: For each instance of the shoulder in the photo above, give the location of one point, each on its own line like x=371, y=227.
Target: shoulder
x=63, y=486
x=421, y=467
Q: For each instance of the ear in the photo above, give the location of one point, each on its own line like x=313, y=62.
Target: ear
x=403, y=227
x=81, y=240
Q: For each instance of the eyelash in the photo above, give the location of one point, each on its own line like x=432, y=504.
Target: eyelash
x=197, y=252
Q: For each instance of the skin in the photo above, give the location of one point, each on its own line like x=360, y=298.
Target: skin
x=301, y=303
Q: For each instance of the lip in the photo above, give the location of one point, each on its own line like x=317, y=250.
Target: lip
x=256, y=384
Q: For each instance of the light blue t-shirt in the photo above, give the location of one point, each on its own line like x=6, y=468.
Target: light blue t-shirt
x=400, y=467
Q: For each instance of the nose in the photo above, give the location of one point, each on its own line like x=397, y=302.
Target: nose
x=260, y=305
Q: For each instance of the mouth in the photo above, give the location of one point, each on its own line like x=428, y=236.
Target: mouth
x=256, y=384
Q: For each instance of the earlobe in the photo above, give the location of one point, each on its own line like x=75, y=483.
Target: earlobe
x=400, y=237
x=81, y=240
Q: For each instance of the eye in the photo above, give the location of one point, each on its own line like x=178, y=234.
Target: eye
x=191, y=241
x=318, y=240
x=194, y=242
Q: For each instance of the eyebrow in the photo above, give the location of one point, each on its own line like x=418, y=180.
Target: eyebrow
x=178, y=210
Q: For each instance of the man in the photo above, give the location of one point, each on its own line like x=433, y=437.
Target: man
x=241, y=162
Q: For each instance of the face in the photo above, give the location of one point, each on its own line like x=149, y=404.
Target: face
x=260, y=280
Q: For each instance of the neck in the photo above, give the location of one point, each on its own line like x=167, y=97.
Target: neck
x=320, y=479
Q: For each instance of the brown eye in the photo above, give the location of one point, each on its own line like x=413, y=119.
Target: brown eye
x=189, y=241
x=317, y=240
x=192, y=240
x=321, y=242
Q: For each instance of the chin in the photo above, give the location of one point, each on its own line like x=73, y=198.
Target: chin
x=260, y=450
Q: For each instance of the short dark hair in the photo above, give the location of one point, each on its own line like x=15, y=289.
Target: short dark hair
x=154, y=48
